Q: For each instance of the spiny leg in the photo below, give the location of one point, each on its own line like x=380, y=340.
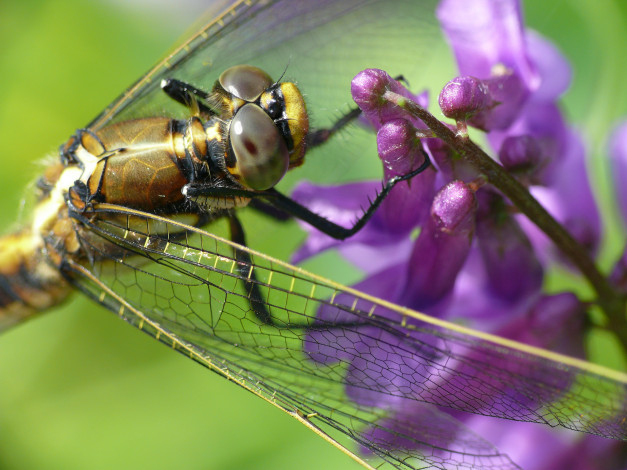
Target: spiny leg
x=320, y=136
x=285, y=204
x=269, y=210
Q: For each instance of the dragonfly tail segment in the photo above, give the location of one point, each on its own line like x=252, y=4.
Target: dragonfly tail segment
x=28, y=284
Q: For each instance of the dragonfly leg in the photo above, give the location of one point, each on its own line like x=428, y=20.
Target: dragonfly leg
x=320, y=136
x=283, y=203
x=188, y=95
x=247, y=272
x=269, y=210
x=331, y=228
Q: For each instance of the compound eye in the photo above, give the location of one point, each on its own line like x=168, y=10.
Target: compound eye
x=245, y=81
x=260, y=151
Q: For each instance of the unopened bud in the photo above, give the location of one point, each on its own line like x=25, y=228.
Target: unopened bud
x=401, y=152
x=442, y=246
x=508, y=94
x=368, y=88
x=463, y=97
x=454, y=208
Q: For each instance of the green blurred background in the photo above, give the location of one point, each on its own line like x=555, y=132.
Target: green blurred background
x=80, y=389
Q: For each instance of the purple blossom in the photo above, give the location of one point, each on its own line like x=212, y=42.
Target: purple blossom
x=570, y=200
x=475, y=260
x=540, y=448
x=489, y=35
x=507, y=95
x=380, y=243
x=488, y=40
x=401, y=152
x=618, y=160
x=484, y=34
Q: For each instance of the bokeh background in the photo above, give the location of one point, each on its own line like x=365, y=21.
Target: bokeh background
x=80, y=389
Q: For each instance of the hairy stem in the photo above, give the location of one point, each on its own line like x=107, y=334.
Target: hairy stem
x=612, y=303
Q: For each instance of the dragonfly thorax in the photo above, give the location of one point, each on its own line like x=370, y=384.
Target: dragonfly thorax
x=245, y=134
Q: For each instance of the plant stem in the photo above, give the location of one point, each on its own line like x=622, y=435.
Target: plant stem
x=609, y=300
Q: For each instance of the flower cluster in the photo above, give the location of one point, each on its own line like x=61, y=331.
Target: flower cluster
x=476, y=259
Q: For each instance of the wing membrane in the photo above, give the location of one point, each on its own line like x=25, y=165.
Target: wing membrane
x=183, y=285
x=320, y=44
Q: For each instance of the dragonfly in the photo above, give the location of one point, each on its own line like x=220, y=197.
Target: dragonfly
x=192, y=287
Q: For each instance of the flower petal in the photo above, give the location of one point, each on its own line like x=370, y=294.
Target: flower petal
x=485, y=33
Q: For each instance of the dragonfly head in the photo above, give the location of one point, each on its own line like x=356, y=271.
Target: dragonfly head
x=268, y=129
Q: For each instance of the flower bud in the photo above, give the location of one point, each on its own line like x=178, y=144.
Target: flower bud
x=368, y=88
x=508, y=94
x=454, y=208
x=398, y=147
x=463, y=97
x=401, y=152
x=442, y=246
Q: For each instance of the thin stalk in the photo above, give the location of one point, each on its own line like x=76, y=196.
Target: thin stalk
x=612, y=303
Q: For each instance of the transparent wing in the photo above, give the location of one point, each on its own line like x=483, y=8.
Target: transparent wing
x=319, y=44
x=350, y=366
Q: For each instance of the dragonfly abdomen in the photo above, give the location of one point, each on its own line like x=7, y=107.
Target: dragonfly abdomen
x=28, y=284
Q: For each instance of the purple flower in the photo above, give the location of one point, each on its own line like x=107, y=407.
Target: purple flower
x=475, y=260
x=372, y=248
x=401, y=152
x=380, y=243
x=487, y=38
x=570, y=200
x=618, y=160
x=535, y=447
x=507, y=94
x=486, y=33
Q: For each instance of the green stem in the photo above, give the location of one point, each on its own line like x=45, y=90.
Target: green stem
x=612, y=303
